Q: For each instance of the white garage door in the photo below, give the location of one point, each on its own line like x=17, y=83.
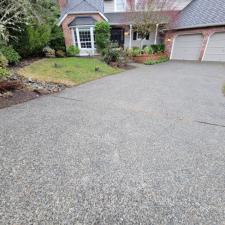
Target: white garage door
x=187, y=47
x=216, y=48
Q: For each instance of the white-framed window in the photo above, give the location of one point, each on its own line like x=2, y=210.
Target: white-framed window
x=85, y=38
x=120, y=5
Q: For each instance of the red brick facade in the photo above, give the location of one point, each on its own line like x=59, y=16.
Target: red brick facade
x=67, y=30
x=206, y=32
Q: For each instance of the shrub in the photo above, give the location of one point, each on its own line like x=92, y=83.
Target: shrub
x=11, y=55
x=114, y=54
x=102, y=35
x=136, y=51
x=60, y=53
x=3, y=72
x=72, y=50
x=49, y=52
x=38, y=37
x=153, y=62
x=148, y=50
x=57, y=39
x=158, y=48
x=3, y=61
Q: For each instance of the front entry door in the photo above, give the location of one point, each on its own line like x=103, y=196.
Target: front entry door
x=117, y=36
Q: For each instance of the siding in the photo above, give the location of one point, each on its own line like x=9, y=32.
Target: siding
x=109, y=6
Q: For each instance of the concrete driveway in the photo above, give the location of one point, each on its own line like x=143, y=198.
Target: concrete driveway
x=143, y=147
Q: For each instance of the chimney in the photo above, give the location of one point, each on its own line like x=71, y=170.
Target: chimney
x=62, y=4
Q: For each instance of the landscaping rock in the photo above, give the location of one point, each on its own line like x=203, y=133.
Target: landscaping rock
x=8, y=94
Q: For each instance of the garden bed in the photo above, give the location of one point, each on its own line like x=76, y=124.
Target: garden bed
x=144, y=57
x=34, y=78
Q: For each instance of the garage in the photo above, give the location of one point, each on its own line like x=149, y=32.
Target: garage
x=187, y=47
x=215, y=50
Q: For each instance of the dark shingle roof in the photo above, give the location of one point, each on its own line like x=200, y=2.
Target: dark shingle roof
x=83, y=6
x=127, y=18
x=201, y=13
x=82, y=20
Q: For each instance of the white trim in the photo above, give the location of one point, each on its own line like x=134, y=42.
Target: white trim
x=73, y=37
x=207, y=44
x=92, y=40
x=78, y=38
x=131, y=37
x=88, y=12
x=172, y=49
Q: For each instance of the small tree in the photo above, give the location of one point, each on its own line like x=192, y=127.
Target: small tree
x=102, y=35
x=147, y=15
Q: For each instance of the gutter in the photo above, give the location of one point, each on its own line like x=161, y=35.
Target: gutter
x=199, y=26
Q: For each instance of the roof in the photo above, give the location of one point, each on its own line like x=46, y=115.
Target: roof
x=77, y=6
x=82, y=20
x=201, y=13
x=127, y=18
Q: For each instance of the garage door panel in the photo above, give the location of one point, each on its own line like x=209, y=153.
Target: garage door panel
x=187, y=47
x=215, y=50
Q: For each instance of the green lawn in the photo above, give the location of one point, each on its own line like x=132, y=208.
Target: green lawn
x=69, y=71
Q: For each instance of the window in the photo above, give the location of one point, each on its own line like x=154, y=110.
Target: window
x=120, y=5
x=137, y=36
x=85, y=38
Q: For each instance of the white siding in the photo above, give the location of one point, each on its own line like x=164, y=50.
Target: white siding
x=109, y=6
x=137, y=43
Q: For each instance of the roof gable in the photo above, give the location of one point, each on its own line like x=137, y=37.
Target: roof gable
x=76, y=6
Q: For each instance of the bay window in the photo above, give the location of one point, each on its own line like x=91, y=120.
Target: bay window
x=84, y=38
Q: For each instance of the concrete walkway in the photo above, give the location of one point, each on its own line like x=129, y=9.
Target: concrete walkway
x=143, y=147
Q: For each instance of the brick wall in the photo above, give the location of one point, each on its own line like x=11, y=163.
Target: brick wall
x=67, y=30
x=206, y=32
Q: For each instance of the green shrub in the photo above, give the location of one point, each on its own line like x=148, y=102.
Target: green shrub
x=3, y=72
x=136, y=51
x=11, y=55
x=38, y=38
x=114, y=54
x=102, y=35
x=72, y=50
x=57, y=39
x=148, y=50
x=3, y=61
x=158, y=48
x=153, y=62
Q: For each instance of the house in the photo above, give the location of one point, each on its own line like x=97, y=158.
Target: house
x=78, y=18
x=199, y=32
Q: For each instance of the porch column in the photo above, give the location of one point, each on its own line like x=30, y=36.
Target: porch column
x=156, y=33
x=130, y=43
